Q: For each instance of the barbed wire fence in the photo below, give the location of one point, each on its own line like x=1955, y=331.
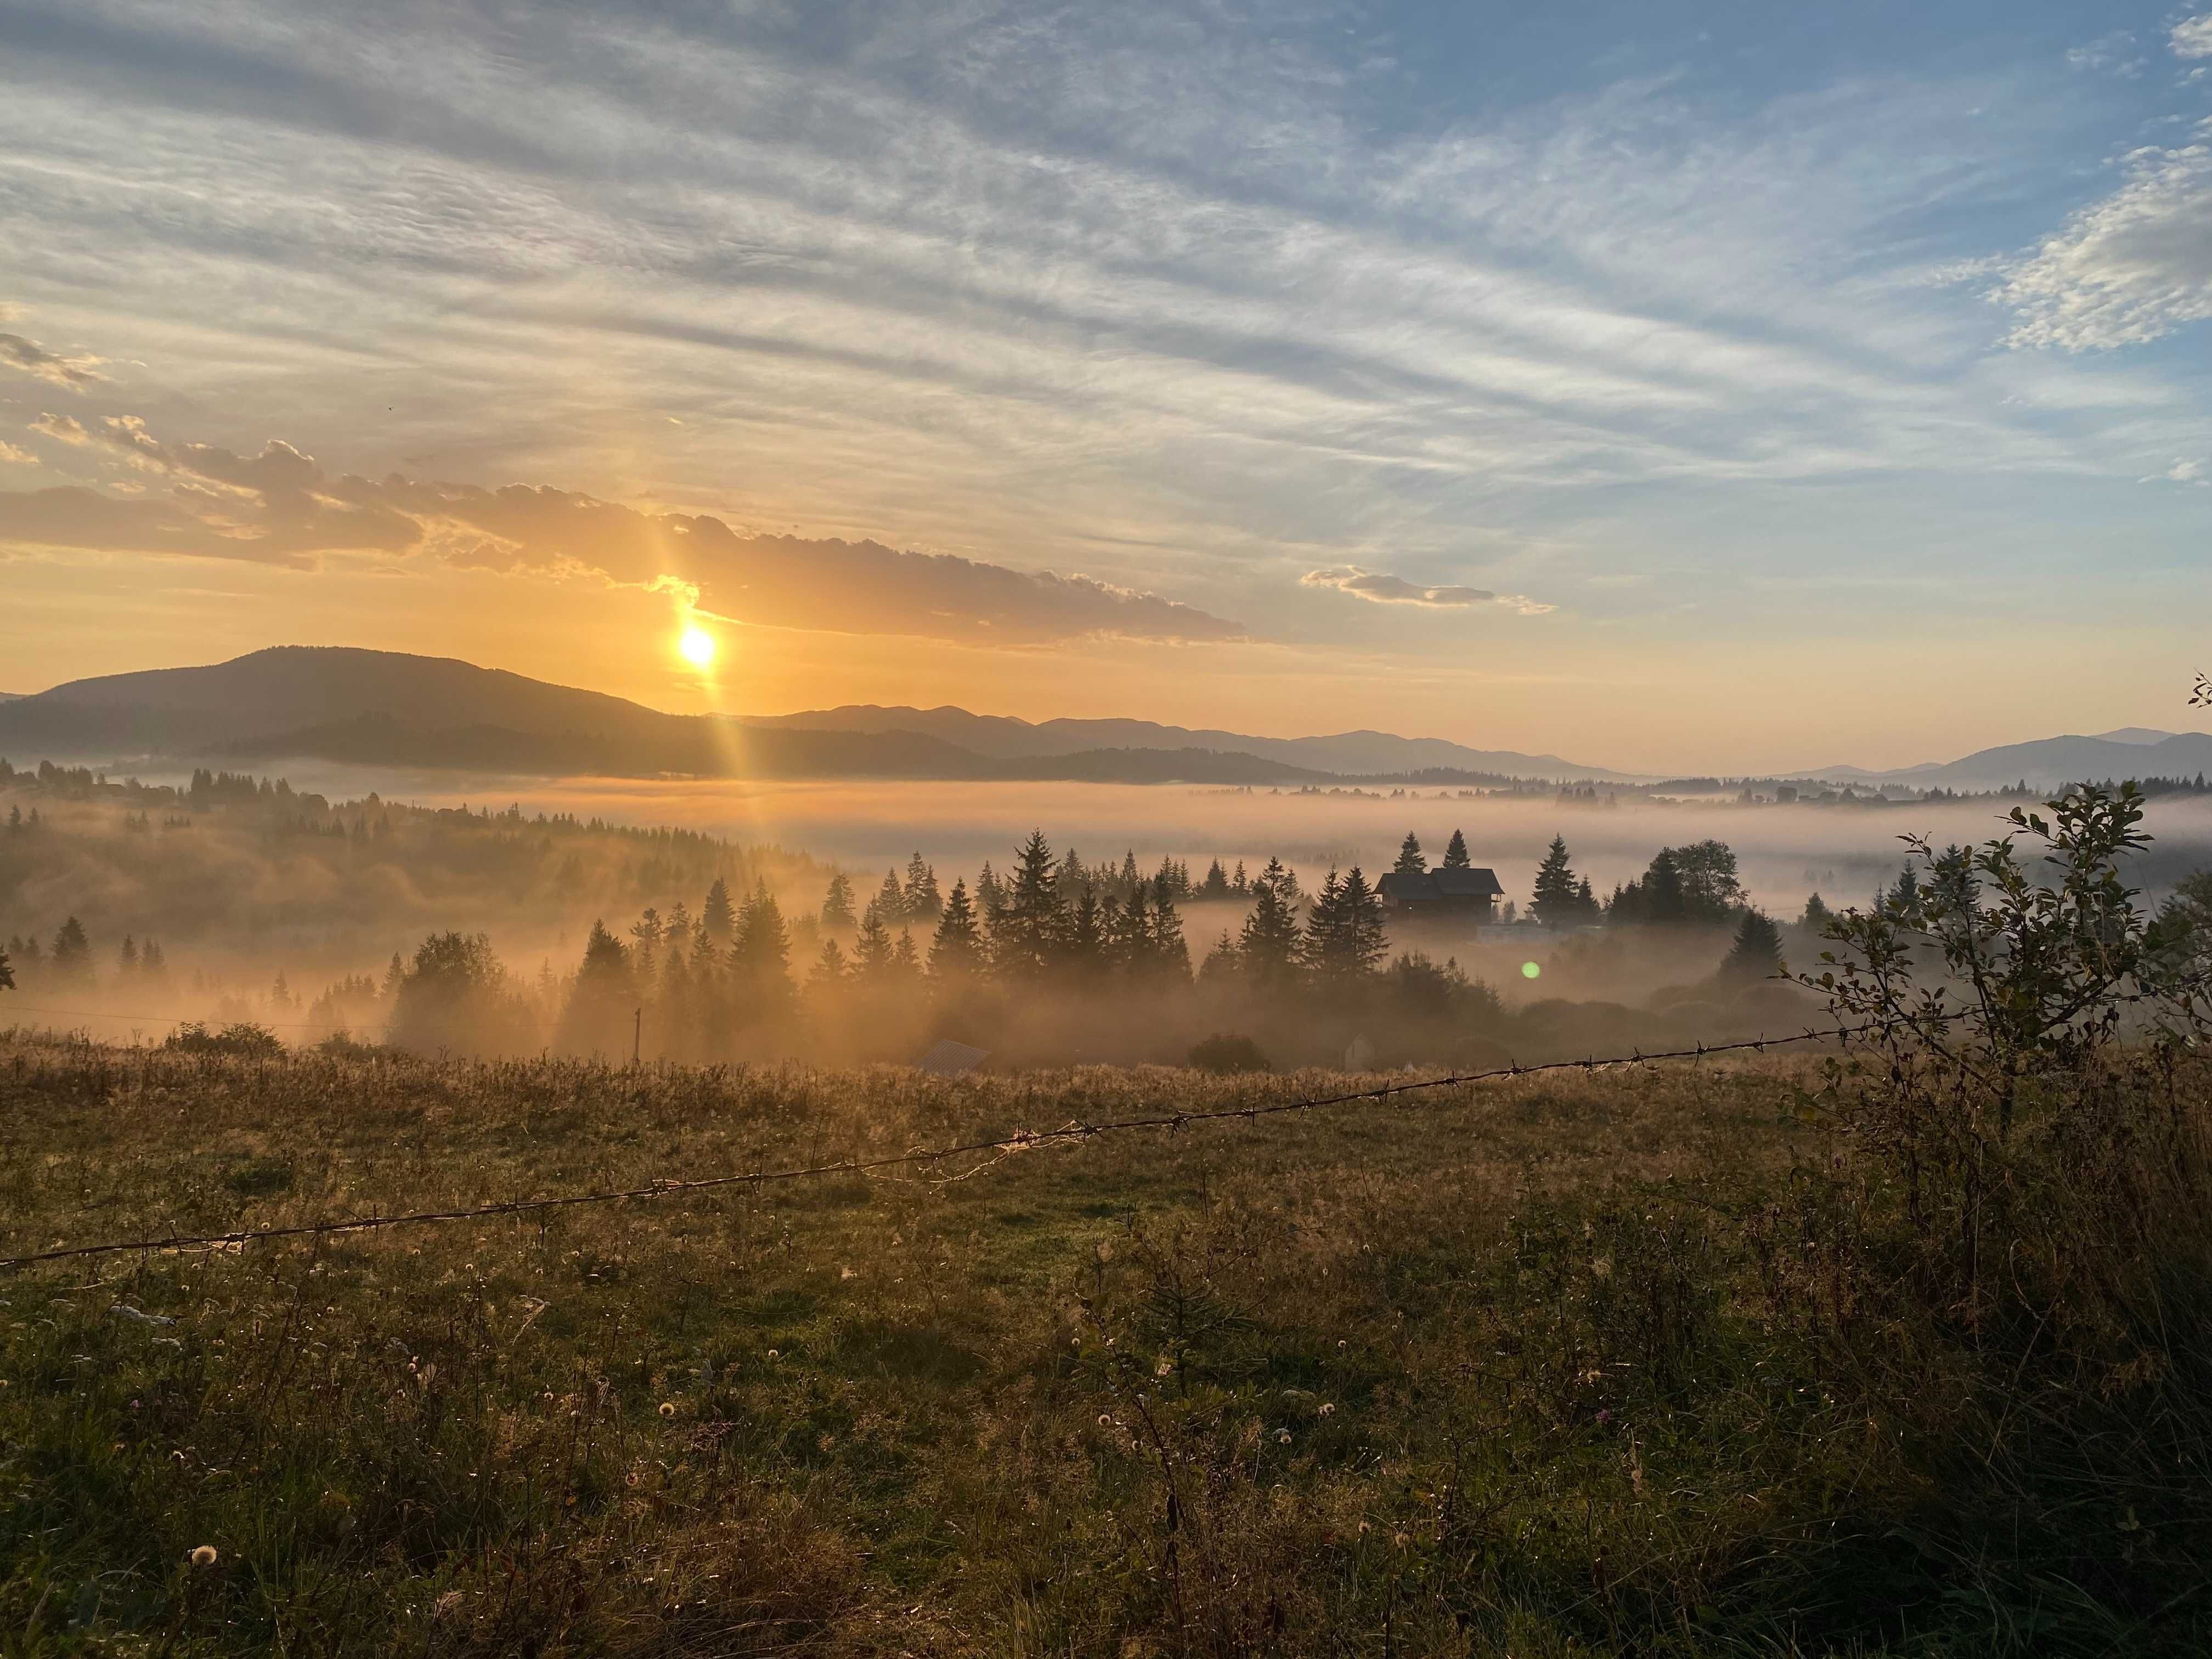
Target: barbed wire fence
x=1073, y=1133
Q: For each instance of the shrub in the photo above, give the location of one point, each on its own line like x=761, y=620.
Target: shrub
x=1228, y=1052
x=241, y=1040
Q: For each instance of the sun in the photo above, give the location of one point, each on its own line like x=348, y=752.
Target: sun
x=696, y=647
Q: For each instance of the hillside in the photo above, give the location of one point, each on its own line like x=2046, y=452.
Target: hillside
x=1345, y=754
x=2047, y=763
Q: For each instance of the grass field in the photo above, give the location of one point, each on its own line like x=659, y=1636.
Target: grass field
x=1551, y=1366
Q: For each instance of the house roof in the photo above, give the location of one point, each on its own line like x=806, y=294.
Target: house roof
x=1467, y=884
x=1404, y=889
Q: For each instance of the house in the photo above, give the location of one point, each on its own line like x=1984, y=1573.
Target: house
x=1465, y=892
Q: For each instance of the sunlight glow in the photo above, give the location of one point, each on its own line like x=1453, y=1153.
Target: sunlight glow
x=696, y=647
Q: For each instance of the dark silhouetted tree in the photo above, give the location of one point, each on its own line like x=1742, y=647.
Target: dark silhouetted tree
x=924, y=903
x=956, y=951
x=1456, y=856
x=838, y=915
x=1757, y=952
x=1025, y=932
x=1410, y=859
x=71, y=956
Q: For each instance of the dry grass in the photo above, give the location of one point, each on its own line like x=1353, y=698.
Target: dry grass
x=1512, y=1371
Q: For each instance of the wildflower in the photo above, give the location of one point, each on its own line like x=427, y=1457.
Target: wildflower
x=1165, y=1366
x=668, y=1408
x=203, y=1556
x=1327, y=1409
x=1105, y=1421
x=771, y=1354
x=1283, y=1436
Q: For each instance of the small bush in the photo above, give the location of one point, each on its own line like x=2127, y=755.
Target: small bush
x=241, y=1040
x=1228, y=1052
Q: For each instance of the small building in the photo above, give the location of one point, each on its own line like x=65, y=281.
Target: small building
x=1441, y=892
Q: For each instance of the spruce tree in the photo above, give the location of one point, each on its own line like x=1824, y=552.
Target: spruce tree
x=1757, y=952
x=1025, y=933
x=1216, y=885
x=957, y=950
x=890, y=902
x=719, y=919
x=1456, y=856
x=872, y=950
x=1168, y=955
x=1083, y=938
x=1662, y=898
x=1556, y=902
x=1365, y=941
x=761, y=954
x=838, y=915
x=6, y=973
x=923, y=902
x=829, y=972
x=1817, y=916
x=1268, y=948
x=1410, y=859
x=71, y=953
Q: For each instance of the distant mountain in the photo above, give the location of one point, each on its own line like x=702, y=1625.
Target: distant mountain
x=1347, y=754
x=2046, y=762
x=386, y=709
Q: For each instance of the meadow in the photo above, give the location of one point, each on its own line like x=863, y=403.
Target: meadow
x=1552, y=1365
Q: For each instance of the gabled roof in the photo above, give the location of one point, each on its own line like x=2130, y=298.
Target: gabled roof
x=1467, y=883
x=1404, y=889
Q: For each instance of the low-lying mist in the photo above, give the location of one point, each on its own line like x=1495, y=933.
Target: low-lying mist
x=305, y=909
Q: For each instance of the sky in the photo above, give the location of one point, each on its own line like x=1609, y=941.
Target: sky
x=1670, y=387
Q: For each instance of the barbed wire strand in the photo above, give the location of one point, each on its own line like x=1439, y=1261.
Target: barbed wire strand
x=1020, y=1140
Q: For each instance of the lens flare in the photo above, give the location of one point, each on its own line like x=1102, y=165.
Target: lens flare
x=696, y=647
x=1529, y=971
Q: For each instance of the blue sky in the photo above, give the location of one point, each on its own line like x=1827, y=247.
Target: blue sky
x=1662, y=385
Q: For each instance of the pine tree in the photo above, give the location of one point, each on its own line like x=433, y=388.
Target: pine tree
x=956, y=951
x=126, y=962
x=1239, y=886
x=392, y=977
x=1411, y=862
x=718, y=920
x=71, y=952
x=152, y=965
x=829, y=972
x=1025, y=932
x=1216, y=885
x=1662, y=899
x=990, y=893
x=906, y=961
x=1817, y=916
x=645, y=952
x=889, y=904
x=1456, y=856
x=1561, y=898
x=1224, y=962
x=872, y=950
x=1168, y=956
x=1268, y=948
x=761, y=954
x=1083, y=940
x=6, y=973
x=837, y=906
x=1757, y=952
x=923, y=902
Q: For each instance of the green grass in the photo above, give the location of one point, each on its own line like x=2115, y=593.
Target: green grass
x=1536, y=1368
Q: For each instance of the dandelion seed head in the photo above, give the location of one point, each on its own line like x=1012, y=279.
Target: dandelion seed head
x=668, y=1408
x=204, y=1556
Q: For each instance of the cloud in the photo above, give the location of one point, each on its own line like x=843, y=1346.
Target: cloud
x=279, y=506
x=2195, y=474
x=2114, y=51
x=2192, y=37
x=52, y=367
x=64, y=427
x=2130, y=269
x=17, y=456
x=1381, y=589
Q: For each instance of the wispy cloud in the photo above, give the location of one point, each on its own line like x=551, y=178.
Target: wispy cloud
x=2192, y=36
x=1379, y=588
x=57, y=368
x=15, y=457
x=2127, y=270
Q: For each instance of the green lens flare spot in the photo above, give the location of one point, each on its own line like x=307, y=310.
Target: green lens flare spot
x=1530, y=970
